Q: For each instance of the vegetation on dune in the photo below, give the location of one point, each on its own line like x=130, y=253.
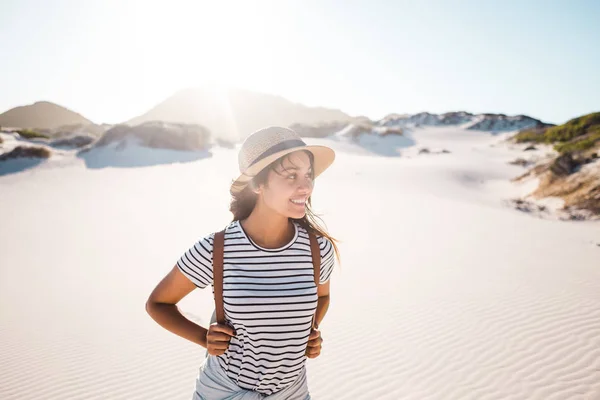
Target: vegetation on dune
x=579, y=134
x=29, y=134
x=26, y=152
x=568, y=176
x=580, y=144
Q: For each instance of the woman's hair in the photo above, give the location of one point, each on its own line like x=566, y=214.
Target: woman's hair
x=243, y=203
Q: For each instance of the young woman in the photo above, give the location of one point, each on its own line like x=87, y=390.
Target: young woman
x=272, y=305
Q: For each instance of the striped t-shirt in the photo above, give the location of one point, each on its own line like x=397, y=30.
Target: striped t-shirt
x=269, y=298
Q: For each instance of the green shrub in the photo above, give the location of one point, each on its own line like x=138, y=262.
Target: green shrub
x=531, y=135
x=579, y=145
x=29, y=134
x=568, y=135
x=573, y=128
x=26, y=152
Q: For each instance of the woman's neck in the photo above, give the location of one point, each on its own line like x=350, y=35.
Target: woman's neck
x=268, y=230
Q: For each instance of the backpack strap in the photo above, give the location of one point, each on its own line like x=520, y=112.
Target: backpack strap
x=218, y=251
x=315, y=251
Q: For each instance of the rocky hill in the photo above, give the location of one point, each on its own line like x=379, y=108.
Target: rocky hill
x=480, y=122
x=157, y=134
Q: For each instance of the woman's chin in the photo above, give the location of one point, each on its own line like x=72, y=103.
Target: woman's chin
x=297, y=214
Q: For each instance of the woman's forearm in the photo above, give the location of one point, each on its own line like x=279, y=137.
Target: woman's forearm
x=169, y=317
x=322, y=306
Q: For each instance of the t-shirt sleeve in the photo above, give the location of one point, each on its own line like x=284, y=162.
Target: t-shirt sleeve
x=327, y=259
x=196, y=263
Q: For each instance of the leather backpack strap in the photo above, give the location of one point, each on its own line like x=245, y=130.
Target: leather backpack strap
x=315, y=251
x=218, y=251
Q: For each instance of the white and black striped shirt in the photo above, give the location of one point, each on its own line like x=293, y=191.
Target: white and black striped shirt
x=269, y=297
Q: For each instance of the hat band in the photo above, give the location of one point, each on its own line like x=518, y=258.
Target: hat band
x=287, y=144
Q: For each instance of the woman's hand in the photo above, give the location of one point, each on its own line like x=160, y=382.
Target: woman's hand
x=313, y=349
x=217, y=338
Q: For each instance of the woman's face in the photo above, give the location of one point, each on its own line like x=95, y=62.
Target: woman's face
x=289, y=185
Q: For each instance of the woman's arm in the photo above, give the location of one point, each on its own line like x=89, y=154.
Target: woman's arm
x=313, y=347
x=323, y=303
x=162, y=307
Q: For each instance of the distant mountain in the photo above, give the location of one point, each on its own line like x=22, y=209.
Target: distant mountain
x=501, y=122
x=233, y=114
x=394, y=123
x=480, y=122
x=41, y=115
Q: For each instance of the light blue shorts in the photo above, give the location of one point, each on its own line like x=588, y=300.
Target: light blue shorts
x=213, y=383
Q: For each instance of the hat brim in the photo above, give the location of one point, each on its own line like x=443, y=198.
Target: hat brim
x=323, y=158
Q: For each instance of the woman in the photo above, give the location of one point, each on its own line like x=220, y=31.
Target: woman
x=272, y=305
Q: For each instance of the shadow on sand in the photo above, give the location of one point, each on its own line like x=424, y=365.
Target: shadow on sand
x=18, y=165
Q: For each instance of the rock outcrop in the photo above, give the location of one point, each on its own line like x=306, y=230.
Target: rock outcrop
x=160, y=135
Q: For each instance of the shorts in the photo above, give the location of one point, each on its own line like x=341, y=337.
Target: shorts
x=213, y=383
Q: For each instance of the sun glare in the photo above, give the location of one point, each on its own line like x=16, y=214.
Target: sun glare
x=207, y=42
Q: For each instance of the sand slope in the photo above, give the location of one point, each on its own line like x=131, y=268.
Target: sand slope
x=444, y=292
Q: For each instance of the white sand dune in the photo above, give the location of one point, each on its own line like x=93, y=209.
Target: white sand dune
x=444, y=292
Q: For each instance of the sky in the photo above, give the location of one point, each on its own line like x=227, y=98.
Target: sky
x=113, y=60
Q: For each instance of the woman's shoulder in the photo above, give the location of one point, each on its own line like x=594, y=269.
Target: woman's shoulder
x=324, y=244
x=323, y=241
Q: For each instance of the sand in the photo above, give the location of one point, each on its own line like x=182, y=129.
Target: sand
x=444, y=292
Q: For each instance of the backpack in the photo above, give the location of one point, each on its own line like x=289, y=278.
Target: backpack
x=218, y=251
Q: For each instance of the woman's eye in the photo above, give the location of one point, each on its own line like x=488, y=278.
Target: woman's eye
x=294, y=176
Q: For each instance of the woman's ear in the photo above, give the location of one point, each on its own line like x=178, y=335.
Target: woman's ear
x=254, y=187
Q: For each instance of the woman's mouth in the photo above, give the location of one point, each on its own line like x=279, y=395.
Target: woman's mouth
x=299, y=202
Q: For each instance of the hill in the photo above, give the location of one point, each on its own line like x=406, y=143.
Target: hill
x=233, y=114
x=41, y=115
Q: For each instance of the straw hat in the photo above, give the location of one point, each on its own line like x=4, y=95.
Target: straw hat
x=266, y=145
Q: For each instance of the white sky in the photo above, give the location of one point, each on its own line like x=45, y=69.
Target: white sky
x=113, y=60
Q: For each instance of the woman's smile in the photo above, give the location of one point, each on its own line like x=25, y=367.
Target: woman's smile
x=299, y=202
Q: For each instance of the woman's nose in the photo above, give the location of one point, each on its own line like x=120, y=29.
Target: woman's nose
x=306, y=185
